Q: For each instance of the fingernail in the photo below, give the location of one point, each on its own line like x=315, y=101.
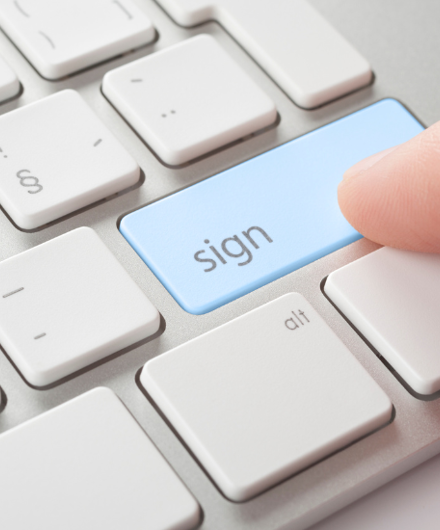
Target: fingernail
x=368, y=162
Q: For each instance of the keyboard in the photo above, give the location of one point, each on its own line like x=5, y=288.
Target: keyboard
x=192, y=335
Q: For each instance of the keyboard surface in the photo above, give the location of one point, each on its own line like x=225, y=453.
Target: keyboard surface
x=398, y=39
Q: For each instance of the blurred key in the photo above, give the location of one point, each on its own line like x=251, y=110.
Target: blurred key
x=63, y=37
x=303, y=53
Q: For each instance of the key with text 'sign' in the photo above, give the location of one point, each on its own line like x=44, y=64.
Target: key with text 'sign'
x=236, y=231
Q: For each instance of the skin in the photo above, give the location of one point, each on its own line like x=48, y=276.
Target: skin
x=393, y=197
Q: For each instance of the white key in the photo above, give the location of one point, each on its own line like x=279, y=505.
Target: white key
x=189, y=99
x=72, y=162
x=61, y=38
x=9, y=84
x=265, y=396
x=303, y=53
x=393, y=298
x=68, y=303
x=88, y=465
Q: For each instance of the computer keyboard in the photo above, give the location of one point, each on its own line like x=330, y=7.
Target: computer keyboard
x=168, y=177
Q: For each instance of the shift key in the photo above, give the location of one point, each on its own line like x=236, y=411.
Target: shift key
x=234, y=232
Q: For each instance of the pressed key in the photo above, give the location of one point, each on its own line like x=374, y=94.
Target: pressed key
x=88, y=465
x=60, y=38
x=303, y=53
x=258, y=221
x=9, y=84
x=265, y=396
x=393, y=298
x=189, y=99
x=68, y=303
x=72, y=162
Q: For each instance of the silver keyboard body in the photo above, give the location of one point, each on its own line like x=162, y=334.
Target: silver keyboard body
x=400, y=38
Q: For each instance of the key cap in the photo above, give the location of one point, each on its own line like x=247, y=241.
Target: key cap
x=188, y=99
x=9, y=84
x=89, y=464
x=264, y=218
x=68, y=303
x=283, y=361
x=297, y=47
x=393, y=298
x=72, y=162
x=61, y=38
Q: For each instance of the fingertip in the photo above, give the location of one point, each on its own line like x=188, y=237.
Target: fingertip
x=392, y=198
x=351, y=202
x=367, y=163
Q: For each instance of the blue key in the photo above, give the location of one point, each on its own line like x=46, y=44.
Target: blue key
x=236, y=231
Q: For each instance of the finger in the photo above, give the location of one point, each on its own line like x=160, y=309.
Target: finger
x=393, y=197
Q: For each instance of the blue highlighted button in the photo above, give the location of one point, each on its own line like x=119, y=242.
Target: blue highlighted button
x=236, y=231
